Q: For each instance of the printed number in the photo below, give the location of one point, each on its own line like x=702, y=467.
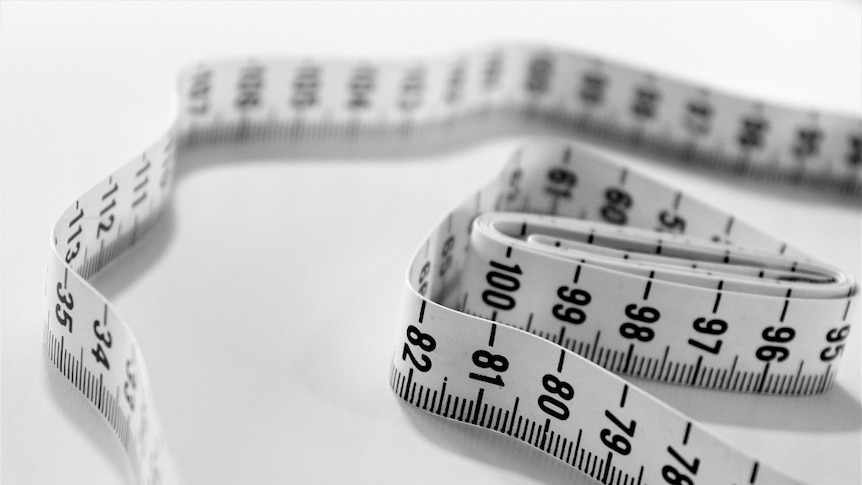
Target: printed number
x=617, y=202
x=423, y=275
x=305, y=87
x=556, y=408
x=618, y=443
x=835, y=336
x=767, y=353
x=645, y=103
x=455, y=86
x=130, y=385
x=106, y=218
x=646, y=315
x=249, y=88
x=560, y=182
x=486, y=360
x=447, y=255
x=593, y=88
x=104, y=338
x=492, y=71
x=412, y=89
x=141, y=181
x=539, y=73
x=66, y=299
x=671, y=222
x=698, y=117
x=672, y=476
x=424, y=342
x=61, y=310
x=503, y=283
x=199, y=93
x=361, y=86
x=807, y=142
x=571, y=314
x=105, y=225
x=752, y=133
x=708, y=327
x=72, y=252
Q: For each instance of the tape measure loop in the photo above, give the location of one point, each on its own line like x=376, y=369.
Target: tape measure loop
x=526, y=300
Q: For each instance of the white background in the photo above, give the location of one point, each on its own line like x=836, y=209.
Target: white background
x=265, y=301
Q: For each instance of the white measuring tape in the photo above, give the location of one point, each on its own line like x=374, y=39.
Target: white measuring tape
x=524, y=299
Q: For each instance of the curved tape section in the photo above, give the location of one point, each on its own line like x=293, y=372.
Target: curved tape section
x=624, y=300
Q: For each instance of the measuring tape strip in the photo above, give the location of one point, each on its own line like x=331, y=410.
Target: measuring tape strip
x=519, y=300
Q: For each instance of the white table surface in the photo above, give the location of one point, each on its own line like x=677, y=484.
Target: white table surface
x=297, y=392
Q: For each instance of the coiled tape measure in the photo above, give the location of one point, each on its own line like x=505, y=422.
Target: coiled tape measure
x=527, y=299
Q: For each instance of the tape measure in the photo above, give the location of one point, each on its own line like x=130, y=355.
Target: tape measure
x=525, y=301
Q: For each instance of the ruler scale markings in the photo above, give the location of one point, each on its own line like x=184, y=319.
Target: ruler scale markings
x=479, y=397
x=696, y=369
x=562, y=318
x=798, y=374
x=732, y=369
